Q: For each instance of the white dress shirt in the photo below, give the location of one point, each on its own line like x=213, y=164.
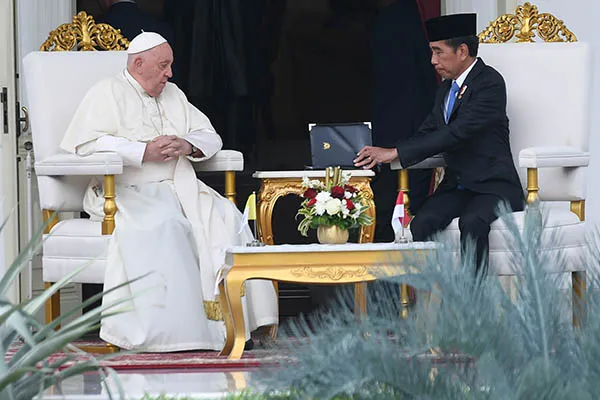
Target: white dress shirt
x=459, y=81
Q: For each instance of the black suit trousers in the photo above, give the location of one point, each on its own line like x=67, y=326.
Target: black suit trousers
x=476, y=212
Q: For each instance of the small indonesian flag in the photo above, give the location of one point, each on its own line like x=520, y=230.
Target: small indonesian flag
x=399, y=216
x=249, y=211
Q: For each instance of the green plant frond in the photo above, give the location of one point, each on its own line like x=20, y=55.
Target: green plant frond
x=29, y=372
x=20, y=324
x=466, y=338
x=38, y=302
x=43, y=349
x=19, y=263
x=106, y=310
x=65, y=316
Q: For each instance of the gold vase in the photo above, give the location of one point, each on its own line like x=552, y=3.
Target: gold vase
x=332, y=235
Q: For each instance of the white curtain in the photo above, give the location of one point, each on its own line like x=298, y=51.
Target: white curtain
x=35, y=20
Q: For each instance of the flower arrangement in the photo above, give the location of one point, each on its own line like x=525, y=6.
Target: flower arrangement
x=332, y=203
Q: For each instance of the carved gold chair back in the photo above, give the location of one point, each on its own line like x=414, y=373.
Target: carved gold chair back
x=85, y=34
x=521, y=27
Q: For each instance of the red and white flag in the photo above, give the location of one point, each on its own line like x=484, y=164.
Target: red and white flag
x=398, y=215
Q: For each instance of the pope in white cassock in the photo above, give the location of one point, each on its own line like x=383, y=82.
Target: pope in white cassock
x=168, y=224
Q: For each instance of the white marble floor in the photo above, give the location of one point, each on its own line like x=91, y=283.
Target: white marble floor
x=136, y=385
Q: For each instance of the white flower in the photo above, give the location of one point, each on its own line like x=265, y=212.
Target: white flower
x=333, y=206
x=323, y=197
x=319, y=208
x=305, y=181
x=345, y=211
x=316, y=184
x=357, y=211
x=346, y=175
x=347, y=195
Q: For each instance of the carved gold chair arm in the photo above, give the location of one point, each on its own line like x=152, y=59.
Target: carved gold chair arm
x=50, y=217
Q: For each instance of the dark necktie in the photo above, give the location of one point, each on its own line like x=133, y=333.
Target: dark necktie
x=451, y=99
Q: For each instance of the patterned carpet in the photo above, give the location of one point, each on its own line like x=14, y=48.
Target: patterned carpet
x=257, y=357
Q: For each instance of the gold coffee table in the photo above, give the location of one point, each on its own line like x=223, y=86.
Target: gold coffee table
x=315, y=264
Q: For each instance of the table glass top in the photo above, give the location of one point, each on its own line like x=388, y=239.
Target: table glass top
x=308, y=173
x=317, y=248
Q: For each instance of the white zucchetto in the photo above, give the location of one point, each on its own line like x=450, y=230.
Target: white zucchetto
x=145, y=41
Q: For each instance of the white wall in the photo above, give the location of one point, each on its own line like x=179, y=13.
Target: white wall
x=8, y=185
x=487, y=10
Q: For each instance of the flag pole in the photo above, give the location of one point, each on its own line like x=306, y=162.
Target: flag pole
x=255, y=242
x=256, y=216
x=402, y=238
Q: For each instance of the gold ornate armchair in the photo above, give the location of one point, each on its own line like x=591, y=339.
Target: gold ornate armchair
x=56, y=80
x=549, y=126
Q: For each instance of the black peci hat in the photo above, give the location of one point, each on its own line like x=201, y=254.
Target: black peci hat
x=451, y=26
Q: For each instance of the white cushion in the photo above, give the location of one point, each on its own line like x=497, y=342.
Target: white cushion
x=553, y=156
x=71, y=244
x=224, y=160
x=71, y=164
x=558, y=224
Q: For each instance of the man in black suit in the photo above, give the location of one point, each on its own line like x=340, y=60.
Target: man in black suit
x=469, y=126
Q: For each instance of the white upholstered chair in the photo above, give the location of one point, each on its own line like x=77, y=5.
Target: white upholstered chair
x=55, y=83
x=548, y=87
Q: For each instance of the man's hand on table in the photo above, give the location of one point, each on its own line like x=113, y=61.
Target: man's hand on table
x=370, y=156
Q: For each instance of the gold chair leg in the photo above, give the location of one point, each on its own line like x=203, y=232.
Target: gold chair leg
x=404, y=301
x=106, y=348
x=110, y=205
x=403, y=187
x=579, y=284
x=52, y=305
x=230, y=192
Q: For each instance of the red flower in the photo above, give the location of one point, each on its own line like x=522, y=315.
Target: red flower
x=311, y=202
x=310, y=194
x=350, y=205
x=337, y=192
x=351, y=189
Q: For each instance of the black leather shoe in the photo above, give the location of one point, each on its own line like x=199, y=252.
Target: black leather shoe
x=249, y=345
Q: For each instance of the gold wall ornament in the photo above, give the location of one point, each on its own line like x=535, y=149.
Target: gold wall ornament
x=331, y=273
x=86, y=35
x=522, y=26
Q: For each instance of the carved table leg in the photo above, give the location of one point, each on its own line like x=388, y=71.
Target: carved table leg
x=360, y=299
x=228, y=320
x=233, y=287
